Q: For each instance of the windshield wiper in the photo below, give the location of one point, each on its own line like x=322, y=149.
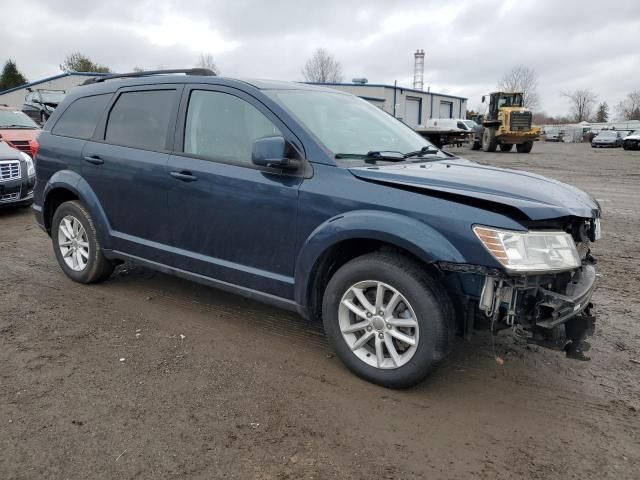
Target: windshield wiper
x=373, y=156
x=16, y=126
x=421, y=153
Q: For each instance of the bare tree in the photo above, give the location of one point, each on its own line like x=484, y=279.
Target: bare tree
x=78, y=62
x=582, y=102
x=629, y=108
x=322, y=67
x=522, y=79
x=206, y=61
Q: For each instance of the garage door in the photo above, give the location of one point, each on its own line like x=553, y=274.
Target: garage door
x=412, y=111
x=446, y=109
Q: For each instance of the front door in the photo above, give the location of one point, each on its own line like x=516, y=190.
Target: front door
x=229, y=219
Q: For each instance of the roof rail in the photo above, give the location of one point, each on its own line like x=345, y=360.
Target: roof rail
x=188, y=71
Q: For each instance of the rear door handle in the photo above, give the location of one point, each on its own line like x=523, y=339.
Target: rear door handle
x=95, y=159
x=184, y=176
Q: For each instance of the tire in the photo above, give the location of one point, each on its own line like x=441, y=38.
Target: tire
x=475, y=145
x=524, y=147
x=427, y=306
x=96, y=266
x=489, y=141
x=506, y=147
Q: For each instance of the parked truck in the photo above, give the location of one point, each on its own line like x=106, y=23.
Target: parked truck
x=507, y=123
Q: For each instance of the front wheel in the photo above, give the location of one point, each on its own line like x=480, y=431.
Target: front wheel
x=387, y=319
x=524, y=147
x=489, y=140
x=76, y=244
x=506, y=147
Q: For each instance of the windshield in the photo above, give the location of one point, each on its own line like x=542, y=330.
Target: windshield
x=470, y=123
x=349, y=125
x=510, y=100
x=15, y=119
x=52, y=97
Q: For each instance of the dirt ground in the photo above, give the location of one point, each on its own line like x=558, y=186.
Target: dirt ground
x=149, y=376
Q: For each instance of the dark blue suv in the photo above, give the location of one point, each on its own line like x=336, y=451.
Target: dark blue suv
x=316, y=201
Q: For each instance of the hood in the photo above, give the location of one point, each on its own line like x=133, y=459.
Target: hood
x=8, y=153
x=19, y=134
x=632, y=137
x=535, y=196
x=605, y=140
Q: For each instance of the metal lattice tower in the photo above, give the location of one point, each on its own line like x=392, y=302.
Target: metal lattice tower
x=418, y=70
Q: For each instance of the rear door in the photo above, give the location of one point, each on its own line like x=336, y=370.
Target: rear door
x=229, y=219
x=125, y=165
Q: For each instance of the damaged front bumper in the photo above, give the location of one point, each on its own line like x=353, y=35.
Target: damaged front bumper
x=551, y=310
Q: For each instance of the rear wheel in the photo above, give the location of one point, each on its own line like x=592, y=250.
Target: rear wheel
x=489, y=141
x=524, y=147
x=387, y=319
x=506, y=147
x=475, y=144
x=76, y=244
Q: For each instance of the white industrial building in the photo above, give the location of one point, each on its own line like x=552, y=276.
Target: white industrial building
x=14, y=97
x=412, y=106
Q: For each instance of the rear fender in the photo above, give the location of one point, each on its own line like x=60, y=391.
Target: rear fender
x=73, y=182
x=404, y=232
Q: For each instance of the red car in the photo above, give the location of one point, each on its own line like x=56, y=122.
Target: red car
x=18, y=130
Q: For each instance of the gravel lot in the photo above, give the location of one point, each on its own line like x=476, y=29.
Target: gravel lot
x=149, y=376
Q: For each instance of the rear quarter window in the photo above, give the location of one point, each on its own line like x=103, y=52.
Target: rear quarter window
x=80, y=118
x=141, y=119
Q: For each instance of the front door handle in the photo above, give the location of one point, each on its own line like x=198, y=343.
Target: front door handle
x=95, y=159
x=184, y=176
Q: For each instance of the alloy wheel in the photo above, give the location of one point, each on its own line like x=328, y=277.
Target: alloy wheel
x=378, y=324
x=73, y=243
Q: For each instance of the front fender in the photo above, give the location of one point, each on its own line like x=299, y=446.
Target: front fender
x=73, y=182
x=420, y=239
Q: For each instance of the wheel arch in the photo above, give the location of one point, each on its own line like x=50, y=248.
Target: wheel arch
x=348, y=236
x=67, y=185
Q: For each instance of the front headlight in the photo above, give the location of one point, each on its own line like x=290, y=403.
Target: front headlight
x=533, y=251
x=31, y=168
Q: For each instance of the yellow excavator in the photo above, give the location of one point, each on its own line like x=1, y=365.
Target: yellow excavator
x=506, y=123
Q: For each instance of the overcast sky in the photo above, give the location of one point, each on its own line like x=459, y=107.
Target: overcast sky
x=468, y=44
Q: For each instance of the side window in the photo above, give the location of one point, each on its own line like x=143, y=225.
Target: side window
x=462, y=126
x=141, y=119
x=79, y=120
x=223, y=127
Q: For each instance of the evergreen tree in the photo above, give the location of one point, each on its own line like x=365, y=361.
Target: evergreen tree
x=11, y=76
x=602, y=115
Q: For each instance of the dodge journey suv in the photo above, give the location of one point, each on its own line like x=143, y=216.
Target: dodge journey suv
x=316, y=201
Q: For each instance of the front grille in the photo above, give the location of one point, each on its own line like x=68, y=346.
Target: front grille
x=520, y=121
x=22, y=145
x=9, y=170
x=9, y=197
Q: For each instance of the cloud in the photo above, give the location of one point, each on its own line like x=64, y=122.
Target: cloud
x=469, y=45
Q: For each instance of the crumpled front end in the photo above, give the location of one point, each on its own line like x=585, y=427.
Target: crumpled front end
x=552, y=309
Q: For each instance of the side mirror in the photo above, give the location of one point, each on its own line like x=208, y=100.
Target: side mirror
x=270, y=152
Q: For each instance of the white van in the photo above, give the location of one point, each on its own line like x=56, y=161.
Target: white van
x=450, y=124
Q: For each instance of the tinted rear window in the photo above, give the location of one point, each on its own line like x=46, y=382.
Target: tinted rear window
x=79, y=120
x=141, y=119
